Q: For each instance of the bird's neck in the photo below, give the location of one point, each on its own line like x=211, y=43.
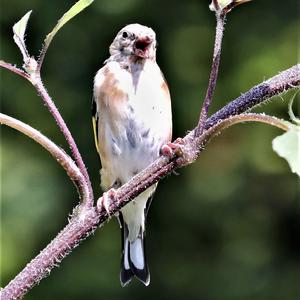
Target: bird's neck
x=129, y=61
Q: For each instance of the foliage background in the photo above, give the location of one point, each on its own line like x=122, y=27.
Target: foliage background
x=228, y=227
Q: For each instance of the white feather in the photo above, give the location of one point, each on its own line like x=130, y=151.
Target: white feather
x=126, y=262
x=137, y=254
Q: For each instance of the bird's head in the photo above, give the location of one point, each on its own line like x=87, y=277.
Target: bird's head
x=135, y=40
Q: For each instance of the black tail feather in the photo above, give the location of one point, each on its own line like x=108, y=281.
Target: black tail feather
x=129, y=262
x=125, y=273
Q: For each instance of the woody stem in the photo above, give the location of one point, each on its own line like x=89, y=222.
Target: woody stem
x=213, y=74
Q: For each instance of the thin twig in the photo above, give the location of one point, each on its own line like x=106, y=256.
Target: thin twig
x=236, y=119
x=213, y=73
x=262, y=118
x=14, y=69
x=60, y=156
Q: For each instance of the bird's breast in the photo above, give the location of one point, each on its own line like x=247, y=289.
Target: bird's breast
x=139, y=123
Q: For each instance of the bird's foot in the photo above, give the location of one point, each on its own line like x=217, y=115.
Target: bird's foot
x=173, y=149
x=106, y=200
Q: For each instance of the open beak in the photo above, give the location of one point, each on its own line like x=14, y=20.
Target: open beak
x=141, y=47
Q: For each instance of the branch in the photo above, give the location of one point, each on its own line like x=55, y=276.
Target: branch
x=65, y=160
x=14, y=69
x=282, y=82
x=253, y=117
x=213, y=73
x=221, y=9
x=86, y=219
x=233, y=120
x=39, y=86
x=32, y=72
x=35, y=79
x=83, y=222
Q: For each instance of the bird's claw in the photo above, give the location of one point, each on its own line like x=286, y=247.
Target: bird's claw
x=106, y=201
x=173, y=149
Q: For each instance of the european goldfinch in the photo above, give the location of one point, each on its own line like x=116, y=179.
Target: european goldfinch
x=132, y=120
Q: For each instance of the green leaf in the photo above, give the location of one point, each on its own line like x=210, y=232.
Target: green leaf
x=72, y=12
x=287, y=146
x=19, y=34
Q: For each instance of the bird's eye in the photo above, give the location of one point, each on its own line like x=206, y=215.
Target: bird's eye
x=125, y=35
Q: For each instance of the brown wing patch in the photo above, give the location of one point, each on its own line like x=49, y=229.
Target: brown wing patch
x=164, y=84
x=165, y=88
x=110, y=100
x=108, y=92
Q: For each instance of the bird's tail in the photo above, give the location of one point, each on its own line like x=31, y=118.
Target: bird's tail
x=133, y=261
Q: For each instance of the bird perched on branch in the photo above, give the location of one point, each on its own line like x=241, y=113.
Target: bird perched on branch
x=132, y=120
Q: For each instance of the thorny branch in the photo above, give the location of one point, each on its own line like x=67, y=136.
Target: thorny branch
x=282, y=82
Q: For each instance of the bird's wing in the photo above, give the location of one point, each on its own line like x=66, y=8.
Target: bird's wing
x=109, y=99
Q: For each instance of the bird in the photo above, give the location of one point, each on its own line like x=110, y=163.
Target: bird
x=132, y=121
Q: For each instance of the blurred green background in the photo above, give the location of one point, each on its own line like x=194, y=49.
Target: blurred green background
x=228, y=227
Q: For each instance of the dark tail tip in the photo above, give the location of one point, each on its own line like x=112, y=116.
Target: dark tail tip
x=129, y=269
x=142, y=275
x=125, y=275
